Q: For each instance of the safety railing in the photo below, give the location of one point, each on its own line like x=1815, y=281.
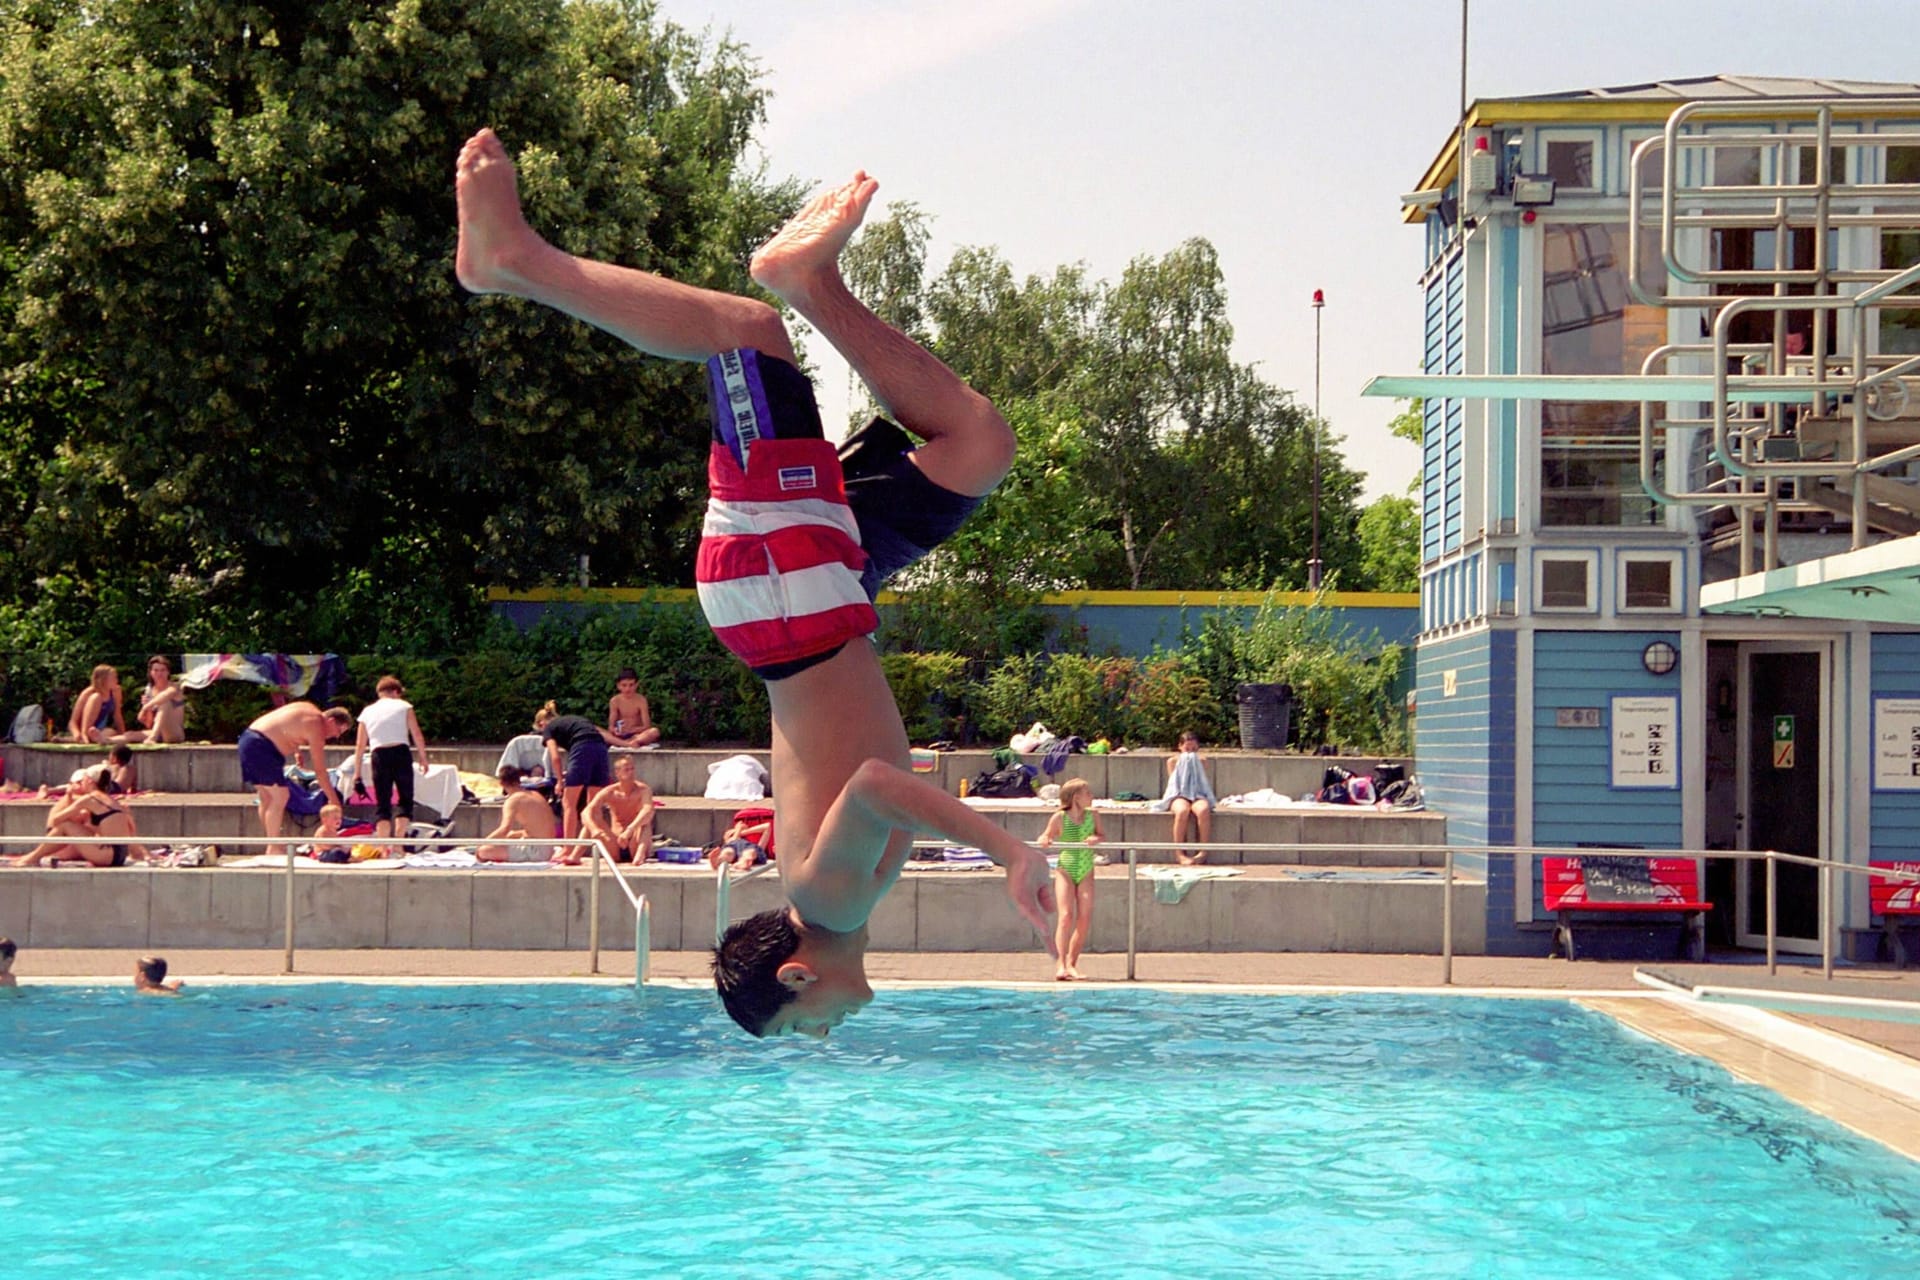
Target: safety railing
x=1834, y=378
x=290, y=923
x=1450, y=878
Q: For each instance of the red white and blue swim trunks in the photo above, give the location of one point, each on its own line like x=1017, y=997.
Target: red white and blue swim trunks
x=794, y=546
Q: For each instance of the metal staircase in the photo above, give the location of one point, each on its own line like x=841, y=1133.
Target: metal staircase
x=1825, y=321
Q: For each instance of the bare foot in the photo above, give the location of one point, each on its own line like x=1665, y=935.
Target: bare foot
x=494, y=236
x=1074, y=974
x=807, y=250
x=1060, y=974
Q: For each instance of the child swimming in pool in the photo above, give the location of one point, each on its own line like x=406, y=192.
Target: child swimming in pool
x=8, y=950
x=1076, y=827
x=849, y=803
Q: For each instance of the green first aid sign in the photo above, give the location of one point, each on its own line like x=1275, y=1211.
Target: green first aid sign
x=1783, y=742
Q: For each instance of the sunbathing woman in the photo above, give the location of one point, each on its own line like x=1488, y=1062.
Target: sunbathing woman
x=89, y=811
x=96, y=713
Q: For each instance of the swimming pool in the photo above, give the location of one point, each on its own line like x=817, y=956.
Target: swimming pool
x=337, y=1130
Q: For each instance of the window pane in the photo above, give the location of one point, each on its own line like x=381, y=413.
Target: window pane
x=1649, y=584
x=1736, y=166
x=1903, y=164
x=1589, y=450
x=1570, y=164
x=1836, y=164
x=1563, y=584
x=1900, y=326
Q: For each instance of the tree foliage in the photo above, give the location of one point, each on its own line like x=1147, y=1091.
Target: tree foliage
x=242, y=399
x=1150, y=458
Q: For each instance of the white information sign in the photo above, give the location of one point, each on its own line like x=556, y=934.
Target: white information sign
x=1646, y=742
x=1896, y=744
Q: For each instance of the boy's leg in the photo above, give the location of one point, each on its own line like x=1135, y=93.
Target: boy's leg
x=968, y=444
x=499, y=253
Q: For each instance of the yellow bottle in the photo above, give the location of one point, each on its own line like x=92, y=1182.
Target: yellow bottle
x=963, y=788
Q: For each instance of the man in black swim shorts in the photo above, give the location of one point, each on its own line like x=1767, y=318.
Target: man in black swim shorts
x=794, y=545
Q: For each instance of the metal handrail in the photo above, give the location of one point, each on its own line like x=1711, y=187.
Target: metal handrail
x=642, y=917
x=1132, y=848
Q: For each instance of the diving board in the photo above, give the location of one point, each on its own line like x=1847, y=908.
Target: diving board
x=1880, y=583
x=1784, y=994
x=1613, y=386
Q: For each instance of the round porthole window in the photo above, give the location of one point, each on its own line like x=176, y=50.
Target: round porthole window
x=1659, y=657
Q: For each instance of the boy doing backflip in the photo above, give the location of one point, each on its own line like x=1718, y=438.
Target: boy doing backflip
x=794, y=548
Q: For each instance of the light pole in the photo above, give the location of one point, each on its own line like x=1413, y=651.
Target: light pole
x=1313, y=562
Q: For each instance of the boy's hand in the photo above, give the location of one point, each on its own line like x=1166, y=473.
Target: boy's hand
x=1030, y=887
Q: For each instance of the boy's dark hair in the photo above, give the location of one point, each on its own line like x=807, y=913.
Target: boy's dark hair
x=120, y=754
x=7, y=949
x=154, y=968
x=510, y=775
x=747, y=963
x=627, y=673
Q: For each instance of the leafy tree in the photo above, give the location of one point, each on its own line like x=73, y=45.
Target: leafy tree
x=1389, y=533
x=244, y=400
x=1149, y=457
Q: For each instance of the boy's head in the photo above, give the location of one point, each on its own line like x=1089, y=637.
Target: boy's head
x=389, y=687
x=1075, y=788
x=627, y=681
x=510, y=775
x=772, y=987
x=1189, y=741
x=623, y=769
x=152, y=968
x=330, y=816
x=122, y=754
x=7, y=952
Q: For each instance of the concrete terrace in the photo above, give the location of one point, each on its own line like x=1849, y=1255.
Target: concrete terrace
x=1353, y=880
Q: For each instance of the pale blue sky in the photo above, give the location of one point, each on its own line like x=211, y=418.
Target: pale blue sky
x=1099, y=130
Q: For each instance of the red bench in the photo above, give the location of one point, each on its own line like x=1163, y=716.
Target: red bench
x=1625, y=886
x=1897, y=902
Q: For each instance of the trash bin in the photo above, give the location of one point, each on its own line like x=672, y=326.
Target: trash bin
x=1266, y=716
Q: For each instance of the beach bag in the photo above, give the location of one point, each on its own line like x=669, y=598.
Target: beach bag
x=1013, y=783
x=1333, y=786
x=29, y=725
x=1389, y=781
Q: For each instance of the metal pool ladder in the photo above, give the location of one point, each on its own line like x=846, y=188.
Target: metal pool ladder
x=642, y=918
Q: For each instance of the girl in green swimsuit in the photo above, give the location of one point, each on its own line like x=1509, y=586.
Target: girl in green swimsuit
x=1075, y=827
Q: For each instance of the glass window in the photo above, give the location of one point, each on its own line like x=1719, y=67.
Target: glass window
x=1647, y=584
x=1565, y=583
x=1900, y=326
x=1590, y=450
x=1736, y=166
x=1810, y=168
x=1903, y=164
x=1570, y=164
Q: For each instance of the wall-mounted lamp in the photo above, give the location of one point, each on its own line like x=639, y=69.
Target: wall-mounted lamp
x=1659, y=658
x=1532, y=191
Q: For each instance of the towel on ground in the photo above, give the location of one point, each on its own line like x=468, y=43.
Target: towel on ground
x=1172, y=884
x=1264, y=798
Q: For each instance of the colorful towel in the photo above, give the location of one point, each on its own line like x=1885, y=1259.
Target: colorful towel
x=297, y=675
x=1172, y=884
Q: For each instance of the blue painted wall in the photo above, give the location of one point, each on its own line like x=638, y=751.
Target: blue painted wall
x=1894, y=820
x=1464, y=744
x=1574, y=801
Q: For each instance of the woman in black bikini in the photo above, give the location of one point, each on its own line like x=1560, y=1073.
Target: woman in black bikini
x=87, y=812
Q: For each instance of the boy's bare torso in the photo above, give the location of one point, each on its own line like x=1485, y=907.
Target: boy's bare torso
x=828, y=721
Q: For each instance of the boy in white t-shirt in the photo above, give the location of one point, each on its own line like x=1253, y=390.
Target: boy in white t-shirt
x=388, y=729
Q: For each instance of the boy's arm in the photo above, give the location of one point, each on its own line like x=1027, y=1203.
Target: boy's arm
x=880, y=799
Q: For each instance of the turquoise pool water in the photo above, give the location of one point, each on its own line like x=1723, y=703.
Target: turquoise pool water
x=356, y=1131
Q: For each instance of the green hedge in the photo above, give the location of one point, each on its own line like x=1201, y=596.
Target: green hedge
x=1348, y=690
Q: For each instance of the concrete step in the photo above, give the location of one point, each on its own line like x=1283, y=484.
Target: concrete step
x=1261, y=909
x=1338, y=836
x=683, y=771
